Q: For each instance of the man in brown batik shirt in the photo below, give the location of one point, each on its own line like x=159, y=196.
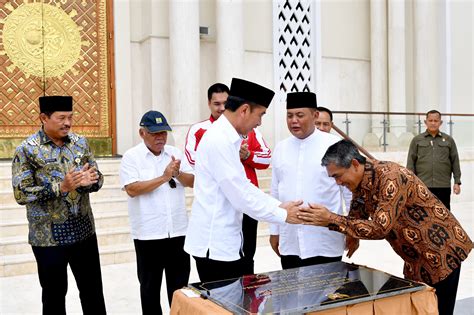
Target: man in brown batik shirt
x=390, y=202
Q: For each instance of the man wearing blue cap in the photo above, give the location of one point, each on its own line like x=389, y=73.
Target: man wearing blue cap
x=222, y=193
x=53, y=173
x=154, y=178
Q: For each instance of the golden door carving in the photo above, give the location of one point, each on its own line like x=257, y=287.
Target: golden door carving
x=56, y=47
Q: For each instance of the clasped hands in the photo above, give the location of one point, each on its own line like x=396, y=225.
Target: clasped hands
x=79, y=178
x=172, y=169
x=313, y=214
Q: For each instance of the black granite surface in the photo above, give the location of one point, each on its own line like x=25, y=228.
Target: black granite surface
x=305, y=289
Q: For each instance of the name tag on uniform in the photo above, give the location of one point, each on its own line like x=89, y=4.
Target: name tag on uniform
x=50, y=160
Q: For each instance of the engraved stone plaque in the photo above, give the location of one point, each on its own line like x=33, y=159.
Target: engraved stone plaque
x=305, y=289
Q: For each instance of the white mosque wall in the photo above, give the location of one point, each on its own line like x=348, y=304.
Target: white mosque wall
x=142, y=60
x=461, y=58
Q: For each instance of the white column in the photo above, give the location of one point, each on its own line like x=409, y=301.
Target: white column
x=396, y=65
x=427, y=55
x=378, y=60
x=123, y=85
x=229, y=40
x=184, y=66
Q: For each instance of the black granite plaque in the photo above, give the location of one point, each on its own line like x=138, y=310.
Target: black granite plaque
x=305, y=289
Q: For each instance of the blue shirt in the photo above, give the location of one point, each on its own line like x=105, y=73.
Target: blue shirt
x=38, y=168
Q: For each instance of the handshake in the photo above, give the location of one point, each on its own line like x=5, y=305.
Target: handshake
x=313, y=214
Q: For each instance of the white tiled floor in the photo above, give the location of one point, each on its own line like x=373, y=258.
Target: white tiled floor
x=22, y=294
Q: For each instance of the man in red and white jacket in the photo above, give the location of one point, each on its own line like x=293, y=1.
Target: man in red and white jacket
x=254, y=154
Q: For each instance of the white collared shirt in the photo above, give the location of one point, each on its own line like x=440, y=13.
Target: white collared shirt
x=297, y=174
x=162, y=212
x=222, y=193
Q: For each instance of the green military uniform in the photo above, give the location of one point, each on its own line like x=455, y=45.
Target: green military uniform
x=433, y=160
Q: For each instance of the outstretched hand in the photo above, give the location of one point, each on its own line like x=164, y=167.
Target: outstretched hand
x=315, y=215
x=292, y=208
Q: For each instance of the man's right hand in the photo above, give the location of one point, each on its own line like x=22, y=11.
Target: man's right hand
x=71, y=181
x=172, y=169
x=292, y=208
x=274, y=243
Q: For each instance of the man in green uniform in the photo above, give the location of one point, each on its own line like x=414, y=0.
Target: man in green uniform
x=433, y=157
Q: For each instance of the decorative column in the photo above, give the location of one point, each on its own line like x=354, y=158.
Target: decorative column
x=184, y=66
x=229, y=40
x=428, y=88
x=396, y=65
x=123, y=73
x=378, y=61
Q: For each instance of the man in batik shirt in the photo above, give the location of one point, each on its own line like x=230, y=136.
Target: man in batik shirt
x=390, y=202
x=53, y=173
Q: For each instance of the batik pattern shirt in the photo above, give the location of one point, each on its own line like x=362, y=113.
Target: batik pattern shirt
x=392, y=203
x=38, y=168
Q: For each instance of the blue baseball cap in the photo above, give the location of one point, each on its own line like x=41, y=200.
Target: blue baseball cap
x=154, y=121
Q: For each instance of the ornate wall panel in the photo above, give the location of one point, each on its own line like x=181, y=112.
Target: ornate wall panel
x=292, y=47
x=55, y=47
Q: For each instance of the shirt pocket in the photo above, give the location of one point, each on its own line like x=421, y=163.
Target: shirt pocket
x=425, y=150
x=443, y=148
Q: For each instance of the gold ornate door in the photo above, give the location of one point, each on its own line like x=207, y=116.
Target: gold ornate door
x=56, y=47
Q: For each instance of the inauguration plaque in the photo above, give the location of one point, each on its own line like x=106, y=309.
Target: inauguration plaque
x=304, y=289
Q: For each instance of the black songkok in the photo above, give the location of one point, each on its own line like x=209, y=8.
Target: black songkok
x=50, y=104
x=251, y=92
x=301, y=100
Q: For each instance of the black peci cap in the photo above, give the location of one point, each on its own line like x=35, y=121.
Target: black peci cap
x=49, y=104
x=301, y=100
x=251, y=92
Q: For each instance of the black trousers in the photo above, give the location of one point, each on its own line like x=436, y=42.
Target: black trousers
x=446, y=291
x=443, y=194
x=83, y=258
x=154, y=256
x=212, y=270
x=249, y=231
x=293, y=261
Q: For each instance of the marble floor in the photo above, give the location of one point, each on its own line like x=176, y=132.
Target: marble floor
x=22, y=294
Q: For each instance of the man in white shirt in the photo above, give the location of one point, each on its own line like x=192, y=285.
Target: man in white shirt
x=223, y=192
x=297, y=174
x=154, y=178
x=254, y=154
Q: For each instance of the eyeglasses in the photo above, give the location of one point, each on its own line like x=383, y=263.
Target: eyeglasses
x=172, y=183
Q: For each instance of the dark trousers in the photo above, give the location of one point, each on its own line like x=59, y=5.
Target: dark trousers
x=293, y=261
x=443, y=194
x=212, y=270
x=154, y=256
x=249, y=231
x=446, y=291
x=83, y=258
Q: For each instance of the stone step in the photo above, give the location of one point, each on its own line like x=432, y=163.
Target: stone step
x=5, y=168
x=18, y=244
x=15, y=212
x=107, y=191
x=107, y=219
x=21, y=264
